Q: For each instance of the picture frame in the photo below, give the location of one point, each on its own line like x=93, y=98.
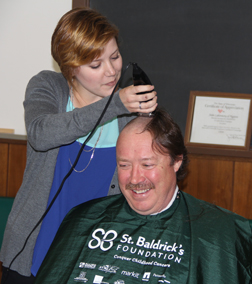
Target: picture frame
x=219, y=123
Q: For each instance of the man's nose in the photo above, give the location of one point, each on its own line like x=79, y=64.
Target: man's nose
x=136, y=175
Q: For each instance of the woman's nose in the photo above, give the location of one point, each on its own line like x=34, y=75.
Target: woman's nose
x=110, y=70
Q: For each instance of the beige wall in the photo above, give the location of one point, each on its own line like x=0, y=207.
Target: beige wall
x=26, y=27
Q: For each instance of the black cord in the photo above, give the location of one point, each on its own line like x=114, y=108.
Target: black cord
x=72, y=167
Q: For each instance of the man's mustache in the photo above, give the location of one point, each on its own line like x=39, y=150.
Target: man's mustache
x=131, y=186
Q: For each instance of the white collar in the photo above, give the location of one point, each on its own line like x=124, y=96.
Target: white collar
x=171, y=201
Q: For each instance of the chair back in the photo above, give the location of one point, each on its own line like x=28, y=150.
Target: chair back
x=5, y=208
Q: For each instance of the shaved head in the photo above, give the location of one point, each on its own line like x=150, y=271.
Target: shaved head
x=137, y=125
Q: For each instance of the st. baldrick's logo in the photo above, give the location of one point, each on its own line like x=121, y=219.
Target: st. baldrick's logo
x=102, y=239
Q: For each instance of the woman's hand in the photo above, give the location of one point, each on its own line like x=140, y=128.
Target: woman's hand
x=134, y=102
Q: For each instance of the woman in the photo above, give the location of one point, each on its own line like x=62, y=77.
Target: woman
x=60, y=112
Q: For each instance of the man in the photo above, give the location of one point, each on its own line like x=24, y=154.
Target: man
x=152, y=232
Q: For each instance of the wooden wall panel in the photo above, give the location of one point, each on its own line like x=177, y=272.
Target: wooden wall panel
x=210, y=180
x=243, y=189
x=17, y=162
x=3, y=168
x=224, y=181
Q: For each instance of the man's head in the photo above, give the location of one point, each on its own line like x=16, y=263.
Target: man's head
x=151, y=157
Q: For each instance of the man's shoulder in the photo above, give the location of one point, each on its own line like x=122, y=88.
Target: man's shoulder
x=203, y=212
x=97, y=207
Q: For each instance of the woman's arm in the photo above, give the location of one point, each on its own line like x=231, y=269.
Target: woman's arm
x=48, y=125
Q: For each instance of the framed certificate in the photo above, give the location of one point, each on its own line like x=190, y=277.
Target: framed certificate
x=219, y=120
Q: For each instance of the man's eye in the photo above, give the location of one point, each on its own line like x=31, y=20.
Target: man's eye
x=148, y=165
x=123, y=165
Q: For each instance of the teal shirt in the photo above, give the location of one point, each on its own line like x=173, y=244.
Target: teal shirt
x=105, y=241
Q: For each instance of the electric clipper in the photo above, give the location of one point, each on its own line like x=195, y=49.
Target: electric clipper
x=140, y=78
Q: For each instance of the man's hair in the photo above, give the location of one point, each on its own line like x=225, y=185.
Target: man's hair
x=79, y=37
x=168, y=139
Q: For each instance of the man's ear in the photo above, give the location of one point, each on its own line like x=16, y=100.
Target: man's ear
x=178, y=163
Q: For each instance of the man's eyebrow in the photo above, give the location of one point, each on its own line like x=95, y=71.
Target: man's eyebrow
x=122, y=159
x=143, y=159
x=148, y=158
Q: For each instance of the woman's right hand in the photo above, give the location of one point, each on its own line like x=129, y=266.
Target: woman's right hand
x=135, y=102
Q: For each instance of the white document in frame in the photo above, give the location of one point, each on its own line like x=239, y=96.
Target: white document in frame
x=220, y=121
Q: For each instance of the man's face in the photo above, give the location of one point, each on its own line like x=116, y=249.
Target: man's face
x=147, y=178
